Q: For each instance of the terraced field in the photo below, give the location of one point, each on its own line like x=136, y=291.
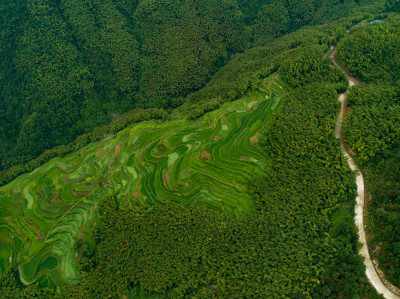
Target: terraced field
x=209, y=160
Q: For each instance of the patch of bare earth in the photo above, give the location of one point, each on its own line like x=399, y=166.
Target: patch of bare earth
x=205, y=156
x=166, y=179
x=254, y=139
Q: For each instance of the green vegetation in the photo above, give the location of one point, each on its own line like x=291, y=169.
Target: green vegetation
x=178, y=216
x=207, y=161
x=372, y=126
x=312, y=190
x=372, y=131
x=299, y=241
x=97, y=134
x=245, y=71
x=371, y=52
x=69, y=66
x=239, y=189
x=393, y=5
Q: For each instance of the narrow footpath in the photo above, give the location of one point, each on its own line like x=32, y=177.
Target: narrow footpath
x=374, y=274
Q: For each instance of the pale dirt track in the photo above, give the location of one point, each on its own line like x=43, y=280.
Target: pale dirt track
x=374, y=274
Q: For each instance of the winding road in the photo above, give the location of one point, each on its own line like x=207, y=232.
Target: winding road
x=374, y=274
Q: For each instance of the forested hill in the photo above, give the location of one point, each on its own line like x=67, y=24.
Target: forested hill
x=253, y=199
x=239, y=190
x=68, y=66
x=372, y=131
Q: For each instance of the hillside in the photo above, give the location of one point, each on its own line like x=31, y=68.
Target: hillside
x=220, y=204
x=189, y=149
x=68, y=67
x=209, y=161
x=372, y=132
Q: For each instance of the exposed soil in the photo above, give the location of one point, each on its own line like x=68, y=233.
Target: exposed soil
x=216, y=138
x=205, y=156
x=166, y=179
x=254, y=139
x=117, y=149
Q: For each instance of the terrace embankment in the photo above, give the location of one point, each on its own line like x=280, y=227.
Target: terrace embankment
x=209, y=161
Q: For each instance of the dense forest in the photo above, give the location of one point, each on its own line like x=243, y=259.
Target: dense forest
x=372, y=131
x=299, y=241
x=70, y=66
x=73, y=72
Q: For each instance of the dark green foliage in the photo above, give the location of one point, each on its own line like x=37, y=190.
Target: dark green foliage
x=373, y=125
x=306, y=67
x=78, y=64
x=301, y=240
x=312, y=177
x=273, y=20
x=54, y=78
x=301, y=12
x=393, y=5
x=301, y=235
x=372, y=52
x=183, y=43
x=68, y=67
x=158, y=248
x=10, y=288
x=11, y=23
x=246, y=70
x=200, y=109
x=372, y=131
x=383, y=220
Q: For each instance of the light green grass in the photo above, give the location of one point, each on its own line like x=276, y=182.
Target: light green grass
x=207, y=161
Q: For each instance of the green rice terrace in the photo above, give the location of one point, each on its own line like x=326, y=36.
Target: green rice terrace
x=208, y=160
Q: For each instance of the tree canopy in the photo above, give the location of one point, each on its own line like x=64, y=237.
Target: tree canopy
x=372, y=131
x=68, y=67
